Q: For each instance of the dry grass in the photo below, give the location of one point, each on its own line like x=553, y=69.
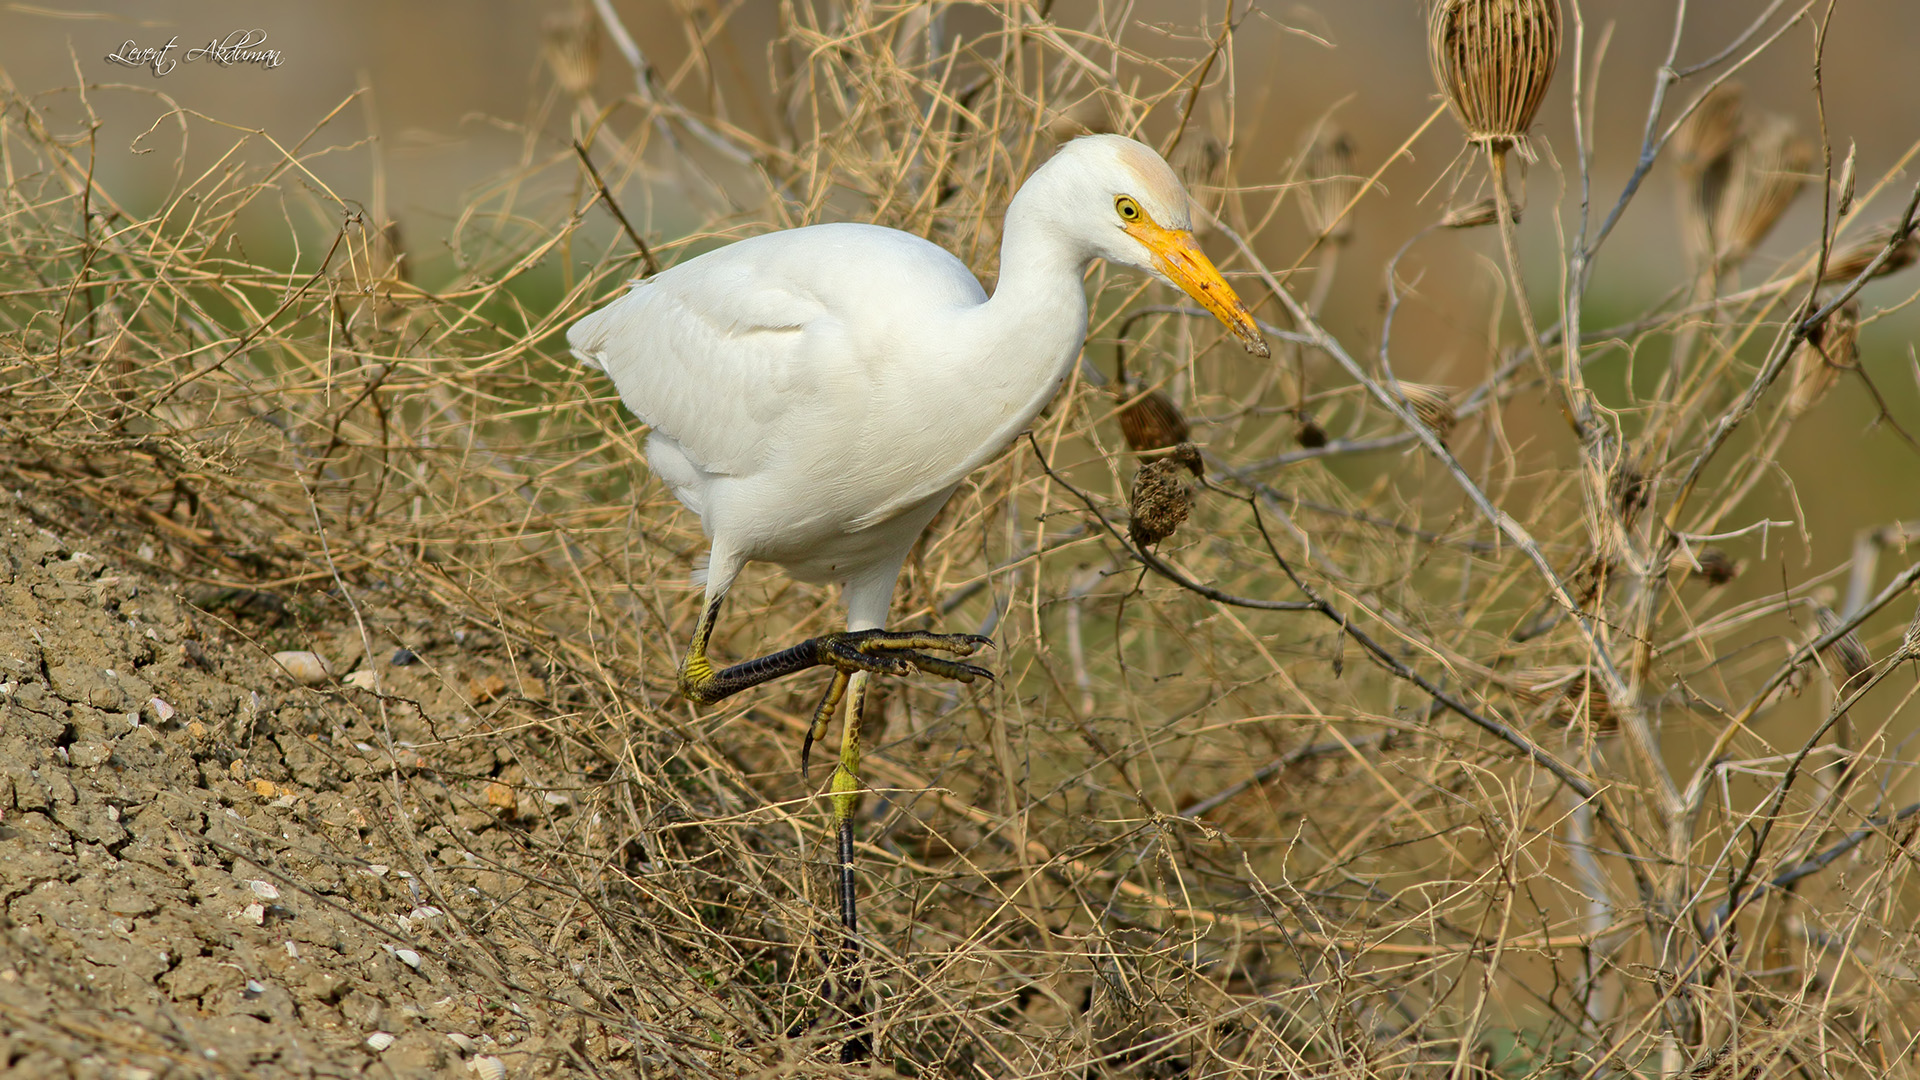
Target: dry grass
x=1464, y=767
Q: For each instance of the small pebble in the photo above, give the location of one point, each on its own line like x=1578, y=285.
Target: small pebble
x=307, y=668
x=252, y=913
x=404, y=657
x=364, y=679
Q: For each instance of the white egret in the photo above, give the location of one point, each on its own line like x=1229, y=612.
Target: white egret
x=815, y=395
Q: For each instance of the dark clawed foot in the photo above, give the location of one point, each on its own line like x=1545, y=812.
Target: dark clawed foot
x=898, y=652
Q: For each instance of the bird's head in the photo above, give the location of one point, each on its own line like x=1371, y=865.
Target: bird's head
x=1124, y=202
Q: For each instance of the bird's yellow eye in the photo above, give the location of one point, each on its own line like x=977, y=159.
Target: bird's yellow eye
x=1128, y=210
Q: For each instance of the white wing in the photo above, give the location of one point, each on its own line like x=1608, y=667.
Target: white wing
x=720, y=353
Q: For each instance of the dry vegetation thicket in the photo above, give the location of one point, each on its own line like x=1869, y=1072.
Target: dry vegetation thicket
x=1442, y=738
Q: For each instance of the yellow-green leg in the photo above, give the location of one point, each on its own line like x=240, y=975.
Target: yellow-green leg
x=845, y=789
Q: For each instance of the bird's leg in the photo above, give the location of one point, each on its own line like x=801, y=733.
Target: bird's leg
x=845, y=787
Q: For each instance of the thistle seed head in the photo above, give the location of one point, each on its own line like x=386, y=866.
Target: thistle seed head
x=1326, y=167
x=1474, y=215
x=1768, y=169
x=1494, y=60
x=572, y=48
x=1846, y=653
x=1818, y=361
x=1159, y=501
x=1432, y=406
x=1849, y=262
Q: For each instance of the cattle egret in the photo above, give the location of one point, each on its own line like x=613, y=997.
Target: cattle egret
x=816, y=394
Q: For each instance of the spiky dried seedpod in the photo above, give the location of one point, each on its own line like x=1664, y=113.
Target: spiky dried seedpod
x=1846, y=652
x=1851, y=261
x=1910, y=644
x=1151, y=421
x=1326, y=168
x=1431, y=405
x=1474, y=215
x=572, y=48
x=1769, y=167
x=1159, y=501
x=1494, y=60
x=1818, y=361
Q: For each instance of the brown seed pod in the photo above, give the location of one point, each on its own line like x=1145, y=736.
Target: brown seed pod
x=1570, y=691
x=1474, y=215
x=1851, y=261
x=1309, y=433
x=1716, y=566
x=1818, y=361
x=1151, y=421
x=1326, y=168
x=1159, y=501
x=1494, y=60
x=1768, y=169
x=1846, y=653
x=1431, y=405
x=1710, y=131
x=572, y=48
x=1703, y=150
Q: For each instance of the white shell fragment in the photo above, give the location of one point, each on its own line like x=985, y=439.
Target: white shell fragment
x=252, y=913
x=488, y=1067
x=379, y=1041
x=161, y=709
x=306, y=668
x=265, y=890
x=408, y=957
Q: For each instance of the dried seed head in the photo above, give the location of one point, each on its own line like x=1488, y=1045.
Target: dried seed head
x=1431, y=405
x=1326, y=167
x=1710, y=131
x=1159, y=501
x=1309, y=433
x=1846, y=653
x=1474, y=215
x=1843, y=187
x=1818, y=361
x=1910, y=645
x=1494, y=60
x=1850, y=262
x=1151, y=421
x=1768, y=169
x=1570, y=692
x=572, y=48
x=1703, y=150
x=1716, y=566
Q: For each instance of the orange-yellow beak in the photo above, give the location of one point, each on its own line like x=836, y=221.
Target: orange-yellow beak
x=1176, y=255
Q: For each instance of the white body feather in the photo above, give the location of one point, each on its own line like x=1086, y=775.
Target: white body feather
x=815, y=395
